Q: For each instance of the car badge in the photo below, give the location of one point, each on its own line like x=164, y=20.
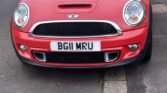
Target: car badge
x=73, y=16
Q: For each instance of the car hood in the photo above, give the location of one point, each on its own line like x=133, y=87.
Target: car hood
x=51, y=10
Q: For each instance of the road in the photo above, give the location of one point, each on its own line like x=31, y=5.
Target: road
x=141, y=78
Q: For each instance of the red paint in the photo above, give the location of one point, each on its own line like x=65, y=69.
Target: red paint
x=47, y=10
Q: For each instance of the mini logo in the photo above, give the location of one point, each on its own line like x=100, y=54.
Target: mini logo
x=73, y=16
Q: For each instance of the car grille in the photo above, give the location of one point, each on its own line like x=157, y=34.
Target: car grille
x=74, y=29
x=79, y=58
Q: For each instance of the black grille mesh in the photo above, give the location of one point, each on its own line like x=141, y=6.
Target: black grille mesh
x=70, y=57
x=75, y=29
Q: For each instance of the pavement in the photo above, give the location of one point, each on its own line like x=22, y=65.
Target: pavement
x=140, y=78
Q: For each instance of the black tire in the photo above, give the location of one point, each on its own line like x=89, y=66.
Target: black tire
x=148, y=47
x=148, y=54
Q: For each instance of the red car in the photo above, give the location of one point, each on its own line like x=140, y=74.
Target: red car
x=82, y=33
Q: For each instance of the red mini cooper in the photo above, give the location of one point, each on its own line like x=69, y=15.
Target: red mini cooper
x=82, y=33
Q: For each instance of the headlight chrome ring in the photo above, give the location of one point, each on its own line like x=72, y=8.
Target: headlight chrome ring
x=21, y=15
x=134, y=12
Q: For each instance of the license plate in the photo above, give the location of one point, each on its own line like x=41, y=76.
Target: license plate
x=80, y=46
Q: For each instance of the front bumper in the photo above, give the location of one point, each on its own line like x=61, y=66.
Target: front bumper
x=135, y=59
x=108, y=44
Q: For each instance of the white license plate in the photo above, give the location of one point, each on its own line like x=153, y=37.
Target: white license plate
x=80, y=46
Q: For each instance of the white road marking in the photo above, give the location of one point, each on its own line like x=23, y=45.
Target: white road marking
x=115, y=81
x=159, y=8
x=115, y=87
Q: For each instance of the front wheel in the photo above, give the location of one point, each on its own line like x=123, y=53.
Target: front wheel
x=148, y=48
x=148, y=51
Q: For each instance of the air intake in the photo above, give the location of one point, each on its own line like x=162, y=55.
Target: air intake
x=40, y=56
x=74, y=6
x=111, y=56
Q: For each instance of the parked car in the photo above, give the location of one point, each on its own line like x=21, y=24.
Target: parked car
x=82, y=33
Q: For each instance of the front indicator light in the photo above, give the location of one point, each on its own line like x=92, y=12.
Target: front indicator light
x=23, y=48
x=133, y=47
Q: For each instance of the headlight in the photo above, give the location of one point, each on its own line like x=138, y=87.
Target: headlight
x=21, y=15
x=133, y=13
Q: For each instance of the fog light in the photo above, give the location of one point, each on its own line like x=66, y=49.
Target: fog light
x=23, y=47
x=133, y=47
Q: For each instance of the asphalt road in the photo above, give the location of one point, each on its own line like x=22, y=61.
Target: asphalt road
x=17, y=78
x=151, y=77
x=159, y=1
